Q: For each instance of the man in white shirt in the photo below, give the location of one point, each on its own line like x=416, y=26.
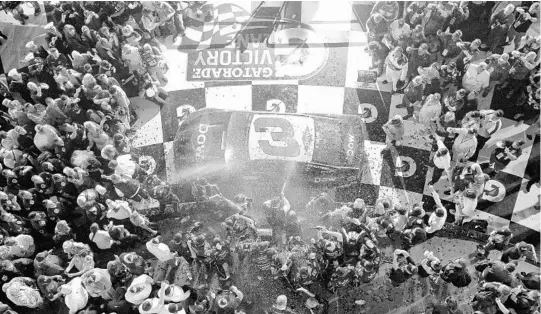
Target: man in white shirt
x=476, y=78
x=464, y=144
x=162, y=253
x=118, y=209
x=465, y=209
x=399, y=29
x=441, y=162
x=159, y=249
x=102, y=238
x=439, y=216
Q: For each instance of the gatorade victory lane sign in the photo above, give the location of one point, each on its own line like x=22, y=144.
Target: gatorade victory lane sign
x=228, y=45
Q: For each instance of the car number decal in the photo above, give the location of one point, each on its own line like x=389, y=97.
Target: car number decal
x=281, y=138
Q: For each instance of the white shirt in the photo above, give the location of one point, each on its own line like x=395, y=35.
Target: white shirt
x=123, y=210
x=126, y=165
x=464, y=145
x=435, y=223
x=24, y=246
x=161, y=251
x=102, y=239
x=474, y=81
x=468, y=206
x=397, y=31
x=489, y=127
x=400, y=221
x=442, y=162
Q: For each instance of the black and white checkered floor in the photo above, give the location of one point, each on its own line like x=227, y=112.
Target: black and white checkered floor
x=334, y=90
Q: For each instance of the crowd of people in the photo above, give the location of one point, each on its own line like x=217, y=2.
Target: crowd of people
x=445, y=58
x=71, y=182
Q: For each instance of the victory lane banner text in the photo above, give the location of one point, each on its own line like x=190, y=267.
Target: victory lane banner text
x=255, y=63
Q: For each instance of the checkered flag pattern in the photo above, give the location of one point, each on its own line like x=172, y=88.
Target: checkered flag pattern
x=335, y=90
x=225, y=22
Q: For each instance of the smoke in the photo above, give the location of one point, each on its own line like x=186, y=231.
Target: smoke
x=194, y=172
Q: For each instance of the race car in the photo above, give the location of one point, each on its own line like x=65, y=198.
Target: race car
x=316, y=148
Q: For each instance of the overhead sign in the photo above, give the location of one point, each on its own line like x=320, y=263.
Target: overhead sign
x=294, y=52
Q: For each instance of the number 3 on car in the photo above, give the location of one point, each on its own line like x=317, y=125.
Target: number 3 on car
x=281, y=138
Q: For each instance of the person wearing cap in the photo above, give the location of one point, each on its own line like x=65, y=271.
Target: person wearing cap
x=92, y=20
x=62, y=232
x=397, y=67
x=23, y=292
x=497, y=35
x=226, y=301
x=521, y=67
x=55, y=39
x=220, y=253
x=74, y=40
x=377, y=53
x=118, y=304
x=38, y=51
x=498, y=67
x=14, y=224
x=330, y=243
x=21, y=246
x=276, y=211
x=101, y=238
x=17, y=84
x=340, y=278
x=497, y=271
x=466, y=205
x=439, y=216
x=434, y=19
x=418, y=57
x=450, y=41
x=449, y=78
x=47, y=138
x=244, y=203
x=505, y=152
x=56, y=59
x=399, y=29
x=441, y=162
x=377, y=27
x=97, y=282
x=139, y=289
x=40, y=223
x=153, y=305
x=464, y=144
x=413, y=95
x=163, y=253
x=394, y=128
x=118, y=210
x=240, y=227
x=430, y=112
x=129, y=188
x=280, y=306
x=498, y=240
x=403, y=267
x=174, y=308
x=519, y=251
x=456, y=273
x=179, y=245
x=260, y=257
x=530, y=280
